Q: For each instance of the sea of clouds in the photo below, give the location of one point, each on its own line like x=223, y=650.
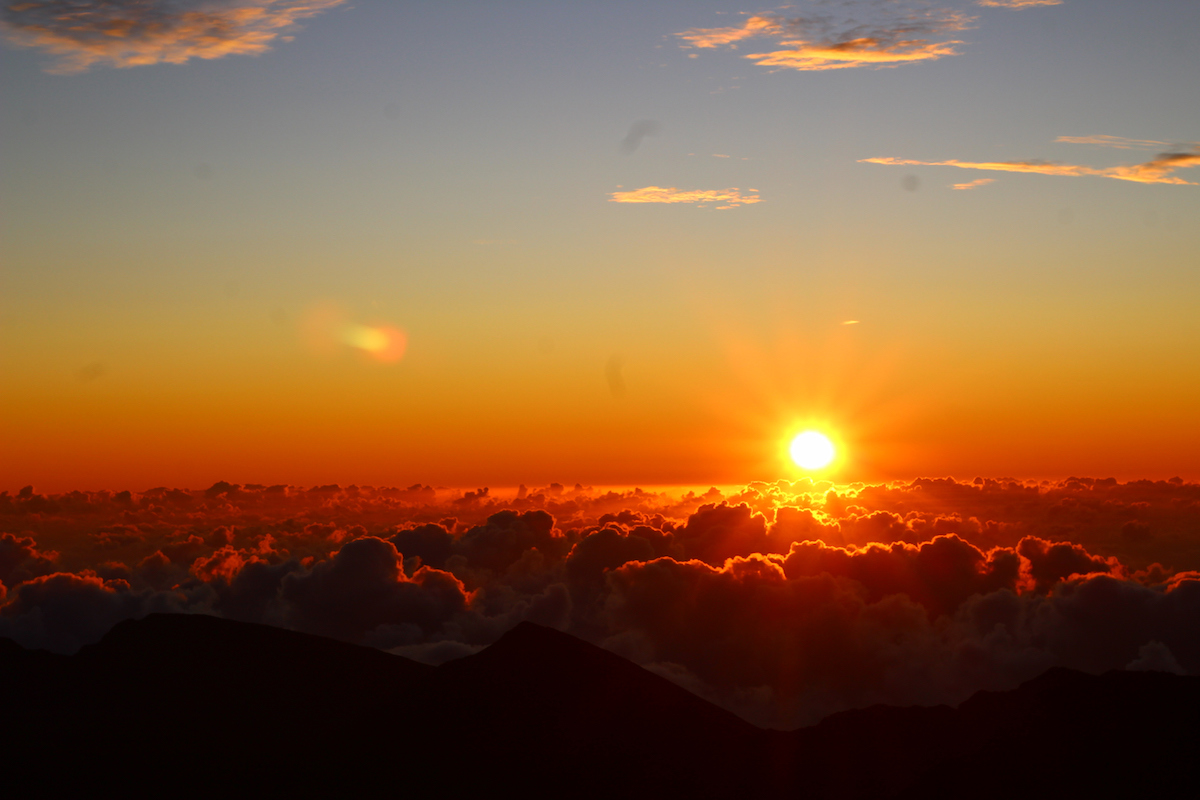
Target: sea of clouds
x=783, y=602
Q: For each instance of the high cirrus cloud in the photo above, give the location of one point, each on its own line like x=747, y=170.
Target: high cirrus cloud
x=1017, y=3
x=871, y=36
x=727, y=198
x=1157, y=170
x=1119, y=142
x=80, y=34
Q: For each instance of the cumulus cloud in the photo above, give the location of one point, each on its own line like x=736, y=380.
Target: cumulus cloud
x=728, y=198
x=80, y=34
x=1157, y=170
x=364, y=587
x=64, y=611
x=864, y=36
x=782, y=601
x=20, y=559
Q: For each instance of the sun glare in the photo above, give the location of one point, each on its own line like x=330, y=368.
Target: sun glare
x=812, y=450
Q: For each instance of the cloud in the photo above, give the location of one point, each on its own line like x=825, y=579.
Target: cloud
x=1112, y=141
x=80, y=34
x=783, y=601
x=364, y=587
x=1017, y=3
x=637, y=132
x=974, y=184
x=658, y=194
x=865, y=35
x=939, y=574
x=20, y=559
x=64, y=611
x=1048, y=563
x=864, y=52
x=1157, y=170
x=715, y=37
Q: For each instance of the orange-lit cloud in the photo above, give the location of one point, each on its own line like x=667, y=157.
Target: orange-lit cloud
x=715, y=37
x=822, y=597
x=864, y=52
x=974, y=184
x=870, y=38
x=729, y=198
x=1157, y=170
x=131, y=33
x=1017, y=3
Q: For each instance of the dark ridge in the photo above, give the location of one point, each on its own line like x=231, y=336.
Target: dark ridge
x=202, y=645
x=585, y=707
x=534, y=664
x=196, y=705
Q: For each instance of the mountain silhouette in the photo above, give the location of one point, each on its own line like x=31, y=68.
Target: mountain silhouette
x=192, y=705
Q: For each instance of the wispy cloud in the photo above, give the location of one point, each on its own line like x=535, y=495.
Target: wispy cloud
x=1017, y=3
x=1113, y=141
x=888, y=38
x=729, y=198
x=975, y=184
x=1157, y=170
x=80, y=34
x=865, y=52
x=715, y=37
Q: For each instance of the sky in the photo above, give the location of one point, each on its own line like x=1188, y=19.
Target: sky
x=485, y=244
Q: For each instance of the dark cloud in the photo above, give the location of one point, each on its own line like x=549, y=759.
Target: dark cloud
x=637, y=132
x=939, y=574
x=720, y=531
x=64, y=611
x=20, y=560
x=364, y=587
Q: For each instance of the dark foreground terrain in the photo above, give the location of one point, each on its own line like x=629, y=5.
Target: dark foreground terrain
x=189, y=705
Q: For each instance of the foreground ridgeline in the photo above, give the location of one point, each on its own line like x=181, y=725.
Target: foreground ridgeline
x=190, y=705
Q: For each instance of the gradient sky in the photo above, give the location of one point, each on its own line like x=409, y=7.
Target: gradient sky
x=206, y=205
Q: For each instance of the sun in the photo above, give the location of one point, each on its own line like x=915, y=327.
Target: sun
x=812, y=450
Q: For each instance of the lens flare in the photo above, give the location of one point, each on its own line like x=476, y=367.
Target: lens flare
x=384, y=342
x=327, y=328
x=812, y=450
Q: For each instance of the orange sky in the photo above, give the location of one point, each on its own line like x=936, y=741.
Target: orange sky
x=617, y=249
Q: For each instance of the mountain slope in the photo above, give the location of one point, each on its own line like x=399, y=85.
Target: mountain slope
x=193, y=706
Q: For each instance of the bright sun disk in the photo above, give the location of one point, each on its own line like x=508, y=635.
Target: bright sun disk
x=812, y=450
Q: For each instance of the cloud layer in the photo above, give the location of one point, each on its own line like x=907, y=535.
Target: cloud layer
x=80, y=34
x=783, y=602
